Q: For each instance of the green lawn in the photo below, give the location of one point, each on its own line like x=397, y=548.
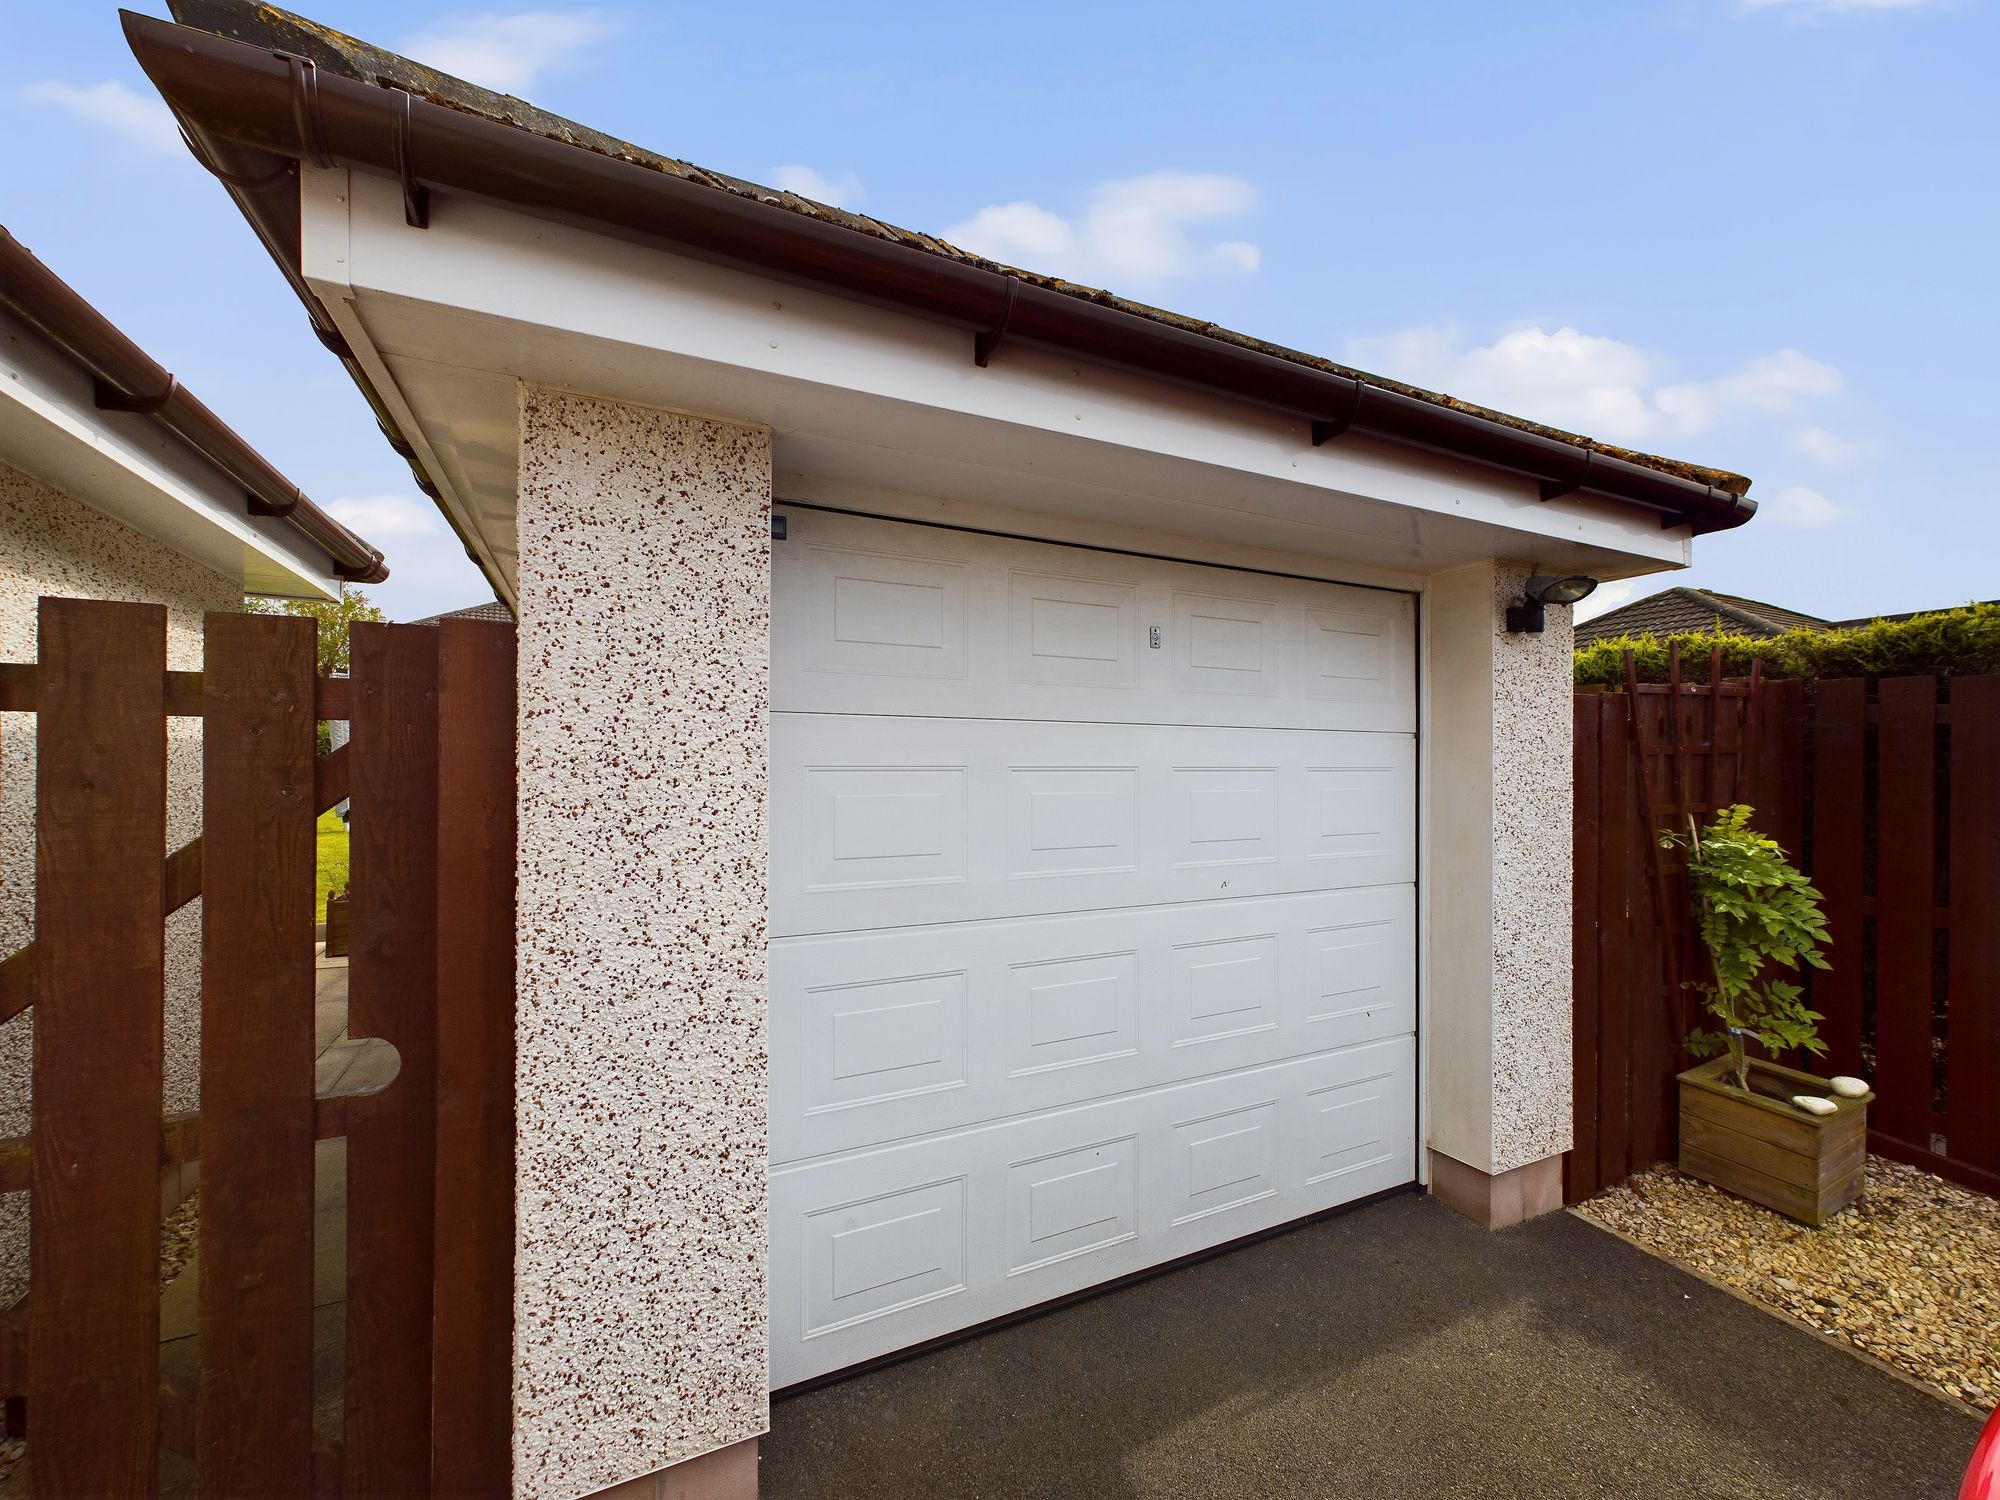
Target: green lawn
x=332, y=861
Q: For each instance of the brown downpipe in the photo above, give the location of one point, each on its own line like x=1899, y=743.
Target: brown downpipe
x=256, y=99
x=128, y=379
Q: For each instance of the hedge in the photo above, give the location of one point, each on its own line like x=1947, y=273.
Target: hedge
x=1949, y=643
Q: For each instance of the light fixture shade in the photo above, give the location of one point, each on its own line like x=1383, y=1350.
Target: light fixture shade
x=1551, y=590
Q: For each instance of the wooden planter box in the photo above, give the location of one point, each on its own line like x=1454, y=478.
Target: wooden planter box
x=1762, y=1147
x=336, y=924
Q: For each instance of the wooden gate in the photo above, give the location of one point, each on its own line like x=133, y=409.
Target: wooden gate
x=421, y=1355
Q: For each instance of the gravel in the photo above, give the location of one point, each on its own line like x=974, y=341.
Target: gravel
x=1910, y=1274
x=178, y=1235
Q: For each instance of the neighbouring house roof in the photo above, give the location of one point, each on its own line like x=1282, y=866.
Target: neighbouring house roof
x=1912, y=614
x=258, y=88
x=493, y=609
x=1683, y=610
x=127, y=379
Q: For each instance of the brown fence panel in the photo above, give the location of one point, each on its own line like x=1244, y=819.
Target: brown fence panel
x=100, y=977
x=392, y=986
x=1840, y=713
x=1972, y=1081
x=254, y=1402
x=1906, y=803
x=1653, y=1008
x=1902, y=840
x=1783, y=727
x=472, y=1393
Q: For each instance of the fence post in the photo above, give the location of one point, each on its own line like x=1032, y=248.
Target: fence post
x=100, y=991
x=1840, y=708
x=1972, y=1102
x=392, y=994
x=472, y=1401
x=253, y=1406
x=1905, y=906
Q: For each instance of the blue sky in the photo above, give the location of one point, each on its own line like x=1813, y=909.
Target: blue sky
x=1758, y=234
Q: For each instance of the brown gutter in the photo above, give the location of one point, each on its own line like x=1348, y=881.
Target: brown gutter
x=274, y=109
x=128, y=379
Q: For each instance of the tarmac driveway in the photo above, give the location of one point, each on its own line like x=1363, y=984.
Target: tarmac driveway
x=1395, y=1350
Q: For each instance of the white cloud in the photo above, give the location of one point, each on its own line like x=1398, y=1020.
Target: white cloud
x=1599, y=386
x=1603, y=599
x=507, y=52
x=142, y=119
x=844, y=191
x=382, y=518
x=1770, y=383
x=1824, y=447
x=1806, y=509
x=1133, y=231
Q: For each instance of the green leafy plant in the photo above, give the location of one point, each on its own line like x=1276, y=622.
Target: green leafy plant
x=1754, y=911
x=1944, y=643
x=336, y=619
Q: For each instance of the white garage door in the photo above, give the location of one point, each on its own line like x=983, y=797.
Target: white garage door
x=1092, y=920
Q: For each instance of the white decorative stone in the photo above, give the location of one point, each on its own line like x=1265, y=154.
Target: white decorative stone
x=1814, y=1106
x=1849, y=1088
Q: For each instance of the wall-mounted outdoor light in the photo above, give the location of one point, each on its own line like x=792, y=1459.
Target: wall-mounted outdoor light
x=1528, y=617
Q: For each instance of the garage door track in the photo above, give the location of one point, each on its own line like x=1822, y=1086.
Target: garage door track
x=1394, y=1350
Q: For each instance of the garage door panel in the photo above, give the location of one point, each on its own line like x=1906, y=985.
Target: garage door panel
x=884, y=617
x=892, y=822
x=881, y=1249
x=884, y=614
x=1093, y=920
x=891, y=1034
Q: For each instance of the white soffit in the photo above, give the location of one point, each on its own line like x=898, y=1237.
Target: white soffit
x=124, y=465
x=450, y=317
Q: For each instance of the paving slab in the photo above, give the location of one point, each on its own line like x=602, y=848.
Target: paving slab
x=1393, y=1351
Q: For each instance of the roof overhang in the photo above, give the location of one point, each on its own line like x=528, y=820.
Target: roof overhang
x=874, y=409
x=88, y=402
x=131, y=469
x=445, y=255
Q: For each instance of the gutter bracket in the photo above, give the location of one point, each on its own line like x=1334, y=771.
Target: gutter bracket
x=259, y=506
x=984, y=344
x=1325, y=430
x=334, y=340
x=108, y=397
x=1555, y=489
x=416, y=197
x=305, y=109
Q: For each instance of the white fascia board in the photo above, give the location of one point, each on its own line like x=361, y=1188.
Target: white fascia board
x=488, y=287
x=125, y=466
x=326, y=258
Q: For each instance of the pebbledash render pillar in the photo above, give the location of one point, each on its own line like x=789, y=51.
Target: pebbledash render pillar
x=639, y=1282
x=1497, y=1032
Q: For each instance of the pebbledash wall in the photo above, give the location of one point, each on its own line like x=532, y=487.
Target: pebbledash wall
x=53, y=544
x=1497, y=772
x=644, y=663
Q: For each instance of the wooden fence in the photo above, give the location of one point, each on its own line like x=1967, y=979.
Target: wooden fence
x=424, y=1404
x=1888, y=794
